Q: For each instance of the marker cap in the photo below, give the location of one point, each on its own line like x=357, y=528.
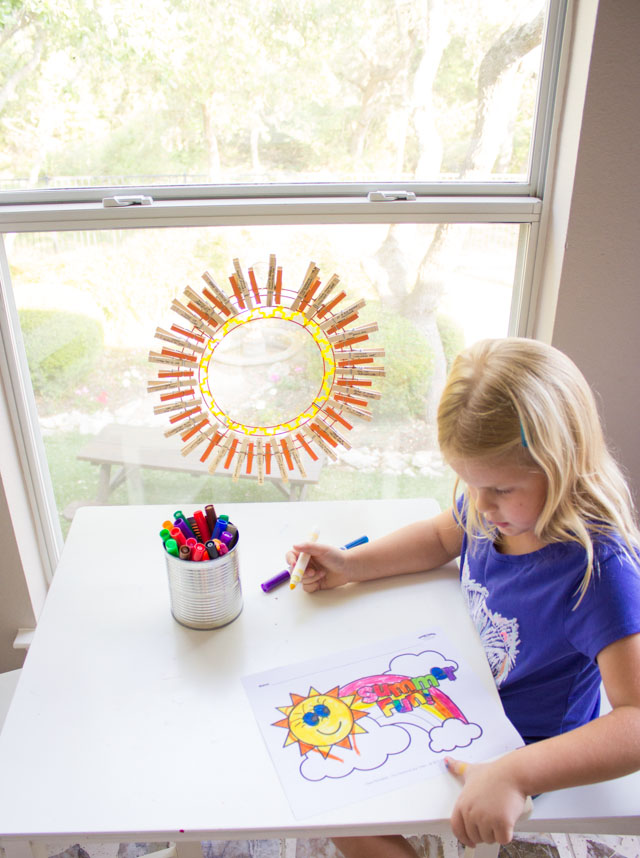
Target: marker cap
x=274, y=582
x=172, y=547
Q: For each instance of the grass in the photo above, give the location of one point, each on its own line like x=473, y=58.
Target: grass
x=75, y=481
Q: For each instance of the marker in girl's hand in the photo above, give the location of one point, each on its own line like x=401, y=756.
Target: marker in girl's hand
x=285, y=575
x=301, y=564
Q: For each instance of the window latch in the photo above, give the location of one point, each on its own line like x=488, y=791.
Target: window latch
x=133, y=200
x=390, y=196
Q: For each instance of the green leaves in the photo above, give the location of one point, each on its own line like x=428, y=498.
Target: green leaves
x=302, y=90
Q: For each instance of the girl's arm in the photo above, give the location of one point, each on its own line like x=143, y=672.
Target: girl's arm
x=414, y=548
x=494, y=793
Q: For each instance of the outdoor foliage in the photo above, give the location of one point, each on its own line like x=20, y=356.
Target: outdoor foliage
x=408, y=363
x=62, y=349
x=166, y=91
x=451, y=337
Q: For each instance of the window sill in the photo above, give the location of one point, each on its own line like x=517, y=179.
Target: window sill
x=42, y=217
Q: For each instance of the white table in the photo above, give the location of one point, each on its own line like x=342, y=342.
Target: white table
x=126, y=726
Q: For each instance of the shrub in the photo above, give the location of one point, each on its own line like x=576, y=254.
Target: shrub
x=62, y=349
x=452, y=337
x=408, y=363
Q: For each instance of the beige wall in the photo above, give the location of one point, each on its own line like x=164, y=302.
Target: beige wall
x=598, y=312
x=15, y=606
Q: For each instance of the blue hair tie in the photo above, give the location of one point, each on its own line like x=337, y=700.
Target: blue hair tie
x=523, y=439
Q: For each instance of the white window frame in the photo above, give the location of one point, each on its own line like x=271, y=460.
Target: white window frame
x=248, y=205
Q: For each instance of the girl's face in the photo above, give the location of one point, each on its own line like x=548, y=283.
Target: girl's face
x=510, y=497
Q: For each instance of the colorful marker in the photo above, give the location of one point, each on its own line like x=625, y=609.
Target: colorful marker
x=210, y=513
x=194, y=527
x=178, y=535
x=183, y=524
x=221, y=526
x=359, y=541
x=203, y=527
x=233, y=530
x=172, y=547
x=179, y=515
x=301, y=564
x=274, y=582
x=198, y=553
x=199, y=537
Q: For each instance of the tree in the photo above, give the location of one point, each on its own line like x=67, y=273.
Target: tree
x=419, y=294
x=15, y=19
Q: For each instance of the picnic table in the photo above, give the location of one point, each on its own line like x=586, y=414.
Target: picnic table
x=127, y=449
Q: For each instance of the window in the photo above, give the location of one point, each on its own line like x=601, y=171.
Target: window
x=178, y=92
x=260, y=131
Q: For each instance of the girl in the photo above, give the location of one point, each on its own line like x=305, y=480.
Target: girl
x=549, y=566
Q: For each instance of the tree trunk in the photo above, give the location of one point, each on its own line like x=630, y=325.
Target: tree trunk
x=496, y=80
x=436, y=39
x=9, y=87
x=496, y=76
x=422, y=308
x=211, y=139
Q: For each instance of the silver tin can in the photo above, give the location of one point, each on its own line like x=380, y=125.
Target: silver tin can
x=205, y=595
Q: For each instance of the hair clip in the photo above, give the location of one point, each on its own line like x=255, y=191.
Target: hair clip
x=522, y=438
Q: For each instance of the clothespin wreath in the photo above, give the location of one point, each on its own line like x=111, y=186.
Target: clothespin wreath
x=188, y=352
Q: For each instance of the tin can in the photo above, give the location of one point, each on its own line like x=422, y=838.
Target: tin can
x=206, y=594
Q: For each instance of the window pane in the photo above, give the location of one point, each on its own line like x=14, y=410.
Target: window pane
x=172, y=91
x=89, y=305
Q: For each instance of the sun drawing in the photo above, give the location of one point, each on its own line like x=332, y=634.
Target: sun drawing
x=318, y=721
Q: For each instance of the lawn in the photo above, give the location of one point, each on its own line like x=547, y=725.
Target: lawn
x=76, y=482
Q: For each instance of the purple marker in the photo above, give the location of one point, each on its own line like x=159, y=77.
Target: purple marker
x=233, y=530
x=180, y=516
x=184, y=527
x=278, y=579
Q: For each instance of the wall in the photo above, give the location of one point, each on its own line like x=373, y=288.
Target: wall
x=597, y=319
x=19, y=557
x=15, y=606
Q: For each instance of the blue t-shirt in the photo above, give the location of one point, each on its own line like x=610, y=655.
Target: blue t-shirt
x=542, y=652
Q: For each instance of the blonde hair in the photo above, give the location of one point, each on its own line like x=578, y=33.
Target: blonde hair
x=521, y=397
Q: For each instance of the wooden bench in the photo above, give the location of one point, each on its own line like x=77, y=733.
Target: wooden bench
x=129, y=448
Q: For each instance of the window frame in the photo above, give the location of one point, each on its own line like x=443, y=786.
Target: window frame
x=53, y=210
x=12, y=201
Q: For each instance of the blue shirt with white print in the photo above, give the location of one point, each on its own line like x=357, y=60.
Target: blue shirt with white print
x=540, y=643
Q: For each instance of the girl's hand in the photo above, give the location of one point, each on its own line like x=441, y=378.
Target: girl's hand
x=488, y=806
x=327, y=567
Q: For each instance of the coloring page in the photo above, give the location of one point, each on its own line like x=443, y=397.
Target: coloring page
x=374, y=719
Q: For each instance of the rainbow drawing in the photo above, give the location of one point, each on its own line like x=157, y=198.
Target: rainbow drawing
x=393, y=695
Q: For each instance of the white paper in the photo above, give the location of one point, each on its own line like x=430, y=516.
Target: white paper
x=373, y=719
